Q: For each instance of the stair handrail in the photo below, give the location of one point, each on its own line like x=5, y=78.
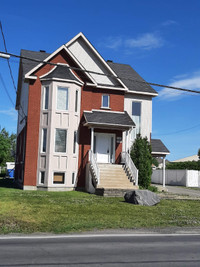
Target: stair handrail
x=95, y=166
x=126, y=159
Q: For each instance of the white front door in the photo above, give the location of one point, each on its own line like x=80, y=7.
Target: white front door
x=104, y=147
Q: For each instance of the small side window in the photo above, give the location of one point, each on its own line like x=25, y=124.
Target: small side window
x=44, y=140
x=76, y=101
x=46, y=98
x=105, y=101
x=42, y=177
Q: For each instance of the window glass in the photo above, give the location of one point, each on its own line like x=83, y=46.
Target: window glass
x=58, y=178
x=75, y=141
x=42, y=176
x=136, y=117
x=46, y=98
x=62, y=98
x=73, y=177
x=44, y=140
x=60, y=140
x=105, y=101
x=76, y=101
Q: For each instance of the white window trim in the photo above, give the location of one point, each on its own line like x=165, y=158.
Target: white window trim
x=108, y=101
x=42, y=140
x=136, y=101
x=44, y=94
x=64, y=87
x=55, y=141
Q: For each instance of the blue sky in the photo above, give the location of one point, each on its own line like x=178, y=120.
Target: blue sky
x=159, y=39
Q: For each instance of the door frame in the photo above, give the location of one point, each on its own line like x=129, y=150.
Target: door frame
x=96, y=134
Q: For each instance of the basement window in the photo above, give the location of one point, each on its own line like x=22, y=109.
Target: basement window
x=58, y=178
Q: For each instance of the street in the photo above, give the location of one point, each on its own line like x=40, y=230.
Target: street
x=101, y=250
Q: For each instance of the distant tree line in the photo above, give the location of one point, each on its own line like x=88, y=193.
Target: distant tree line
x=7, y=147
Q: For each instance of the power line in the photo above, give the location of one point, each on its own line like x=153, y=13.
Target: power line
x=6, y=90
x=104, y=74
x=11, y=74
x=180, y=131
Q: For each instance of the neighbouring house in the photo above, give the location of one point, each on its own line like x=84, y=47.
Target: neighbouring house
x=190, y=158
x=78, y=116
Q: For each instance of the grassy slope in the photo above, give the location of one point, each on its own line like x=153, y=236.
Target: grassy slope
x=62, y=212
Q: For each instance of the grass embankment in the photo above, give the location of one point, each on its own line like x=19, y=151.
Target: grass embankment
x=64, y=212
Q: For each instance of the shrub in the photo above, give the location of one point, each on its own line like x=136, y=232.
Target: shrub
x=141, y=156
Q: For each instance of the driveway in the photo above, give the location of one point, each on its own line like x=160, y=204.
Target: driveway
x=179, y=190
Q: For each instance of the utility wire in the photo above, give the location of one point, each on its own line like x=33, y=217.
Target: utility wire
x=6, y=90
x=104, y=74
x=11, y=74
x=180, y=131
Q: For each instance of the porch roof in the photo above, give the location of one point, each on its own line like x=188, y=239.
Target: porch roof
x=158, y=148
x=108, y=120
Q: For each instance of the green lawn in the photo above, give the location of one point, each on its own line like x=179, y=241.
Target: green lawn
x=64, y=212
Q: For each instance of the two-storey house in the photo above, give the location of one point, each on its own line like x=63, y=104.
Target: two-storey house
x=78, y=116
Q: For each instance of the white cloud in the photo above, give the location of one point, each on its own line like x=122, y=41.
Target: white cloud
x=113, y=42
x=169, y=22
x=146, y=41
x=9, y=112
x=192, y=83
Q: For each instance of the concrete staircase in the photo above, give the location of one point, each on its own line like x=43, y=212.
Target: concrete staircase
x=113, y=180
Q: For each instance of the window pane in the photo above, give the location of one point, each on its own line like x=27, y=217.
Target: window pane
x=73, y=177
x=105, y=101
x=58, y=178
x=62, y=98
x=76, y=101
x=46, y=97
x=75, y=140
x=44, y=140
x=60, y=140
x=42, y=176
x=136, y=117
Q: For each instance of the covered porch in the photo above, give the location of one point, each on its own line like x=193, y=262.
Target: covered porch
x=106, y=153
x=159, y=150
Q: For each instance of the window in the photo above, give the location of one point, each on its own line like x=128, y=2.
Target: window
x=73, y=177
x=62, y=98
x=76, y=101
x=105, y=101
x=136, y=117
x=42, y=177
x=46, y=98
x=60, y=140
x=59, y=178
x=44, y=140
x=75, y=141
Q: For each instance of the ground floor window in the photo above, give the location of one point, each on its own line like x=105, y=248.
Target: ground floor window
x=59, y=178
x=42, y=177
x=73, y=177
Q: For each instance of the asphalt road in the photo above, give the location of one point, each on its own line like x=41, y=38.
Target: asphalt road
x=183, y=191
x=98, y=250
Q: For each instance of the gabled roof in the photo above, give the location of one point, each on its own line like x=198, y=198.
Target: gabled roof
x=158, y=148
x=108, y=119
x=130, y=77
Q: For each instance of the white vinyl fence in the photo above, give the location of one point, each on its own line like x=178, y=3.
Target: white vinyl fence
x=188, y=178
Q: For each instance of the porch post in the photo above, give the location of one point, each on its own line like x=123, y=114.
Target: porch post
x=163, y=171
x=126, y=142
x=92, y=139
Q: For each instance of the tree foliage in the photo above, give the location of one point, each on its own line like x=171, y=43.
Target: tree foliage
x=141, y=156
x=7, y=147
x=186, y=165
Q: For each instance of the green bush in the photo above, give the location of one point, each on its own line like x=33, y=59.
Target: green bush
x=150, y=188
x=187, y=165
x=141, y=156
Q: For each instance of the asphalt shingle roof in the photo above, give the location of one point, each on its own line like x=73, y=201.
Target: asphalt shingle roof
x=127, y=74
x=158, y=146
x=109, y=118
x=61, y=72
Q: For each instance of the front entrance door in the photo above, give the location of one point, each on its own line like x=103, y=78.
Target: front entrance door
x=105, y=147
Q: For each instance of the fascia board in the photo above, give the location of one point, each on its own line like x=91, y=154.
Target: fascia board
x=141, y=93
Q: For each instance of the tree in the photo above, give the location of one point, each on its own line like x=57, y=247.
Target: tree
x=155, y=162
x=7, y=147
x=141, y=156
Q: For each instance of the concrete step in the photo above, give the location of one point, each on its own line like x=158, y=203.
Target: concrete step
x=113, y=192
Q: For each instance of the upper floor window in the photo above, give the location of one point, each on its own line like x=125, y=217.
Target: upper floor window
x=46, y=97
x=44, y=140
x=105, y=101
x=62, y=98
x=60, y=140
x=76, y=101
x=136, y=117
